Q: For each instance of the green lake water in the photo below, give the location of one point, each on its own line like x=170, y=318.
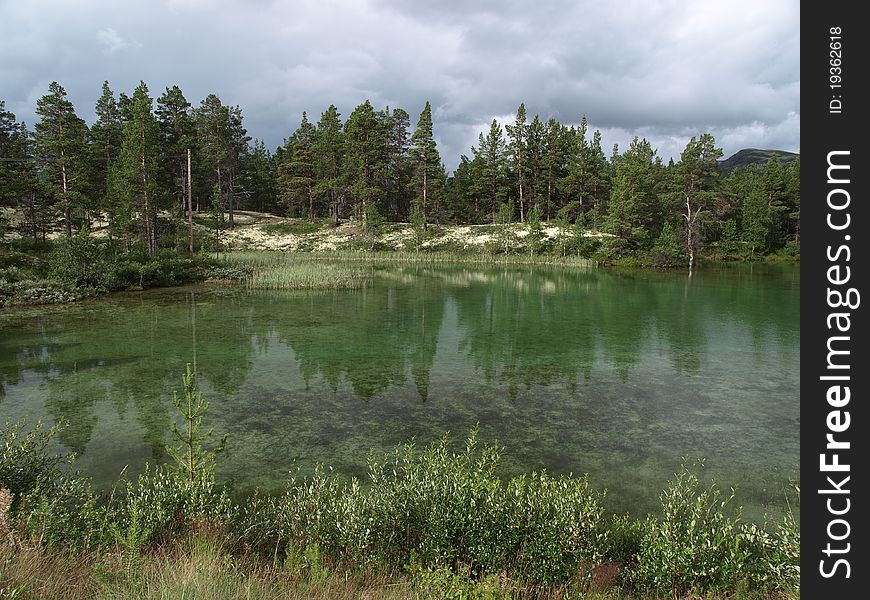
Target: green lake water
x=618, y=374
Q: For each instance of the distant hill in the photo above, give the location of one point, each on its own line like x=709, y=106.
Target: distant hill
x=753, y=156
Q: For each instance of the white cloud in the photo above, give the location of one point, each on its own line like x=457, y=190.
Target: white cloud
x=112, y=42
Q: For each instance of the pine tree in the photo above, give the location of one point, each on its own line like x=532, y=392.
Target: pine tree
x=697, y=180
x=633, y=199
x=535, y=157
x=461, y=205
x=490, y=168
x=755, y=221
x=237, y=151
x=365, y=157
x=553, y=163
x=399, y=172
x=328, y=162
x=793, y=200
x=297, y=171
x=13, y=157
x=106, y=136
x=260, y=178
x=774, y=183
x=427, y=162
x=177, y=135
x=135, y=178
x=213, y=139
x=518, y=133
x=61, y=147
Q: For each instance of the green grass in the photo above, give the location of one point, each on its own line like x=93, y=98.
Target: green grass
x=283, y=271
x=341, y=269
x=276, y=259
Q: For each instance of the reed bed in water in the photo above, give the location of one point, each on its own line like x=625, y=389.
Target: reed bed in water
x=274, y=259
x=282, y=271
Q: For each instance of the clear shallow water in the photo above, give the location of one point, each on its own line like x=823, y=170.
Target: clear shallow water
x=620, y=375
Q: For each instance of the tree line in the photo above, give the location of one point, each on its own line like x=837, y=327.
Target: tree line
x=131, y=166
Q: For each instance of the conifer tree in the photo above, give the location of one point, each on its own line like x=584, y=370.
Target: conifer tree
x=365, y=158
x=260, y=177
x=535, y=157
x=213, y=139
x=237, y=150
x=697, y=178
x=134, y=180
x=518, y=133
x=106, y=136
x=328, y=162
x=755, y=221
x=553, y=162
x=61, y=147
x=399, y=171
x=177, y=135
x=490, y=168
x=298, y=172
x=14, y=159
x=427, y=162
x=633, y=199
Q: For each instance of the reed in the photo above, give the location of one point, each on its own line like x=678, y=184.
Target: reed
x=282, y=271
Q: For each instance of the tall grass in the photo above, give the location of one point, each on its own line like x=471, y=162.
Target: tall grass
x=275, y=259
x=282, y=271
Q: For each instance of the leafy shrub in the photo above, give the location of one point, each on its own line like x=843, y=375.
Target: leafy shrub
x=25, y=462
x=78, y=261
x=698, y=546
x=57, y=505
x=441, y=582
x=438, y=508
x=624, y=537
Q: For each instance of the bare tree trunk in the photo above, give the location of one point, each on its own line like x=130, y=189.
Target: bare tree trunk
x=189, y=208
x=550, y=194
x=146, y=222
x=690, y=224
x=33, y=214
x=522, y=207
x=425, y=191
x=66, y=208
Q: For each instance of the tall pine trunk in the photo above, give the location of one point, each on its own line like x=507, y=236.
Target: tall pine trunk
x=66, y=207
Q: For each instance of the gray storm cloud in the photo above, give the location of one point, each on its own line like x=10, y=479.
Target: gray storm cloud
x=663, y=70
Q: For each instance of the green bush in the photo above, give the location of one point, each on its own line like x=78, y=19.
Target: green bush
x=25, y=461
x=699, y=546
x=442, y=583
x=56, y=504
x=78, y=261
x=668, y=250
x=439, y=508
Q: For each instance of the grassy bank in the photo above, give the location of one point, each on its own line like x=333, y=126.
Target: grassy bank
x=430, y=522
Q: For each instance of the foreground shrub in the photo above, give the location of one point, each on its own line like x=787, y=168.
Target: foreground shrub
x=700, y=546
x=55, y=505
x=438, y=508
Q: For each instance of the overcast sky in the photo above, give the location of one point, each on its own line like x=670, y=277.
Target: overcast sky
x=664, y=70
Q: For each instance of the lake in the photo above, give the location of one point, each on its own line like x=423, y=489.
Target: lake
x=618, y=374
